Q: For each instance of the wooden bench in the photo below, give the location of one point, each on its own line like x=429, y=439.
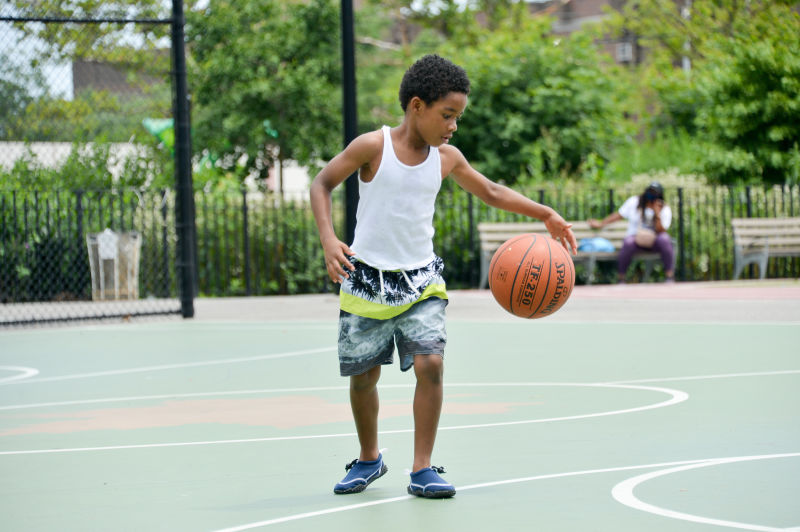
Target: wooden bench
x=493, y=235
x=755, y=240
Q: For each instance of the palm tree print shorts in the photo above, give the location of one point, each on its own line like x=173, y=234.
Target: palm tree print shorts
x=381, y=309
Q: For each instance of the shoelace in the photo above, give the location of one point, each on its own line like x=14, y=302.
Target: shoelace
x=349, y=466
x=438, y=469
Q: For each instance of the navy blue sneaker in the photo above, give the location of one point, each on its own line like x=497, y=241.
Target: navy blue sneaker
x=427, y=483
x=360, y=474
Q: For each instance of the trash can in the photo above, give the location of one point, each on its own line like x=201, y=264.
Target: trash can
x=114, y=264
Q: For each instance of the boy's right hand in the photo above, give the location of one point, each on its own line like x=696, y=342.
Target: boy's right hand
x=336, y=253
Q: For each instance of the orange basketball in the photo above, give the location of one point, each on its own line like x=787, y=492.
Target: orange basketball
x=531, y=275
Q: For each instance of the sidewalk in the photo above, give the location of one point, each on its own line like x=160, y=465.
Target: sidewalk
x=724, y=301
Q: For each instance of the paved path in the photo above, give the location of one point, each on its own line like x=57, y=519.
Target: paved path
x=745, y=301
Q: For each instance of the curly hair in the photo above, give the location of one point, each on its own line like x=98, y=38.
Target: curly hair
x=431, y=78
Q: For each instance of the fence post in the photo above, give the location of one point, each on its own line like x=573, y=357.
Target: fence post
x=79, y=217
x=164, y=242
x=681, y=238
x=246, y=243
x=471, y=236
x=610, y=200
x=749, y=201
x=183, y=168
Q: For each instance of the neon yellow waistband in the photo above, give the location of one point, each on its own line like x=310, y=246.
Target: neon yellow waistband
x=379, y=311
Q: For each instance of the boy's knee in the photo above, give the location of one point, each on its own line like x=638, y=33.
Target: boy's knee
x=366, y=381
x=429, y=367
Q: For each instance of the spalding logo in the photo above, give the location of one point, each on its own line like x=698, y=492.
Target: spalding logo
x=561, y=276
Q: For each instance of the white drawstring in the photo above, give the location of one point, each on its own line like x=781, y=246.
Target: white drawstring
x=380, y=276
x=405, y=276
x=409, y=283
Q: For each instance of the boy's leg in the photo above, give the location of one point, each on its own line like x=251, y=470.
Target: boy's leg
x=425, y=480
x=429, y=370
x=365, y=403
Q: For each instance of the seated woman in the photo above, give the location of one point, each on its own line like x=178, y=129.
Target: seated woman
x=648, y=220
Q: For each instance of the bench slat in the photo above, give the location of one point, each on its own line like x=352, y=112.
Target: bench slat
x=757, y=239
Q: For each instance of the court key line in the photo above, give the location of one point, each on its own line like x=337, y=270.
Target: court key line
x=173, y=366
x=697, y=463
x=127, y=399
x=676, y=396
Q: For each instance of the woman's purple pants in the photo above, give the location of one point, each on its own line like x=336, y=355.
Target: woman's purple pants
x=662, y=245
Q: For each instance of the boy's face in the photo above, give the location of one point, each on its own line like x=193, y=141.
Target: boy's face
x=438, y=121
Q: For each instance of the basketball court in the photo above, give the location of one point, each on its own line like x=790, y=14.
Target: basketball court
x=634, y=407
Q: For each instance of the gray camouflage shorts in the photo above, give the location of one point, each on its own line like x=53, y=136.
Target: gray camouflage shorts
x=367, y=342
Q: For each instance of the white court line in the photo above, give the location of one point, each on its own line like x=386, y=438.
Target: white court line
x=127, y=399
x=24, y=373
x=708, y=377
x=676, y=396
x=306, y=515
x=131, y=399
x=382, y=386
x=175, y=366
x=623, y=493
x=179, y=326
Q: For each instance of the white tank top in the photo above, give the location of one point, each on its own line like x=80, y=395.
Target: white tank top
x=394, y=219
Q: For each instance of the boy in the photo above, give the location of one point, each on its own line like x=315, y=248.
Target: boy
x=392, y=291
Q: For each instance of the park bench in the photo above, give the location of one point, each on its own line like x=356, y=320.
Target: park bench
x=755, y=240
x=492, y=235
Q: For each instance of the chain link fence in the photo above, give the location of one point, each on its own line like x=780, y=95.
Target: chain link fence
x=88, y=225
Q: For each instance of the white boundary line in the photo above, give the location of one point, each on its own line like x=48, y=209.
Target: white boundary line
x=175, y=366
x=708, y=377
x=690, y=463
x=676, y=396
x=24, y=373
x=623, y=493
x=131, y=399
x=381, y=386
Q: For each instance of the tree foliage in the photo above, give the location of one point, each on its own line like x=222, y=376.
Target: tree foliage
x=751, y=109
x=266, y=83
x=108, y=41
x=540, y=105
x=726, y=73
x=265, y=78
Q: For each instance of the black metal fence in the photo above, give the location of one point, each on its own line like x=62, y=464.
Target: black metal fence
x=85, y=127
x=252, y=243
x=258, y=244
x=50, y=264
x=701, y=225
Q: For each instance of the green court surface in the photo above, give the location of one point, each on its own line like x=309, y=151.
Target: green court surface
x=634, y=408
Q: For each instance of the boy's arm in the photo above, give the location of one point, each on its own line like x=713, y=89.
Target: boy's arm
x=357, y=154
x=502, y=197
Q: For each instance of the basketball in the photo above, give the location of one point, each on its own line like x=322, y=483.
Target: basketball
x=531, y=275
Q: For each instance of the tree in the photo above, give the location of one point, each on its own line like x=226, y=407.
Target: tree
x=16, y=87
x=265, y=78
x=111, y=42
x=540, y=104
x=726, y=73
x=751, y=108
x=94, y=113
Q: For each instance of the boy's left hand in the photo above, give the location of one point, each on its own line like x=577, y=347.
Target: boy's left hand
x=561, y=230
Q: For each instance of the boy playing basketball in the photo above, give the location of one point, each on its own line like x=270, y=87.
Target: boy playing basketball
x=392, y=291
